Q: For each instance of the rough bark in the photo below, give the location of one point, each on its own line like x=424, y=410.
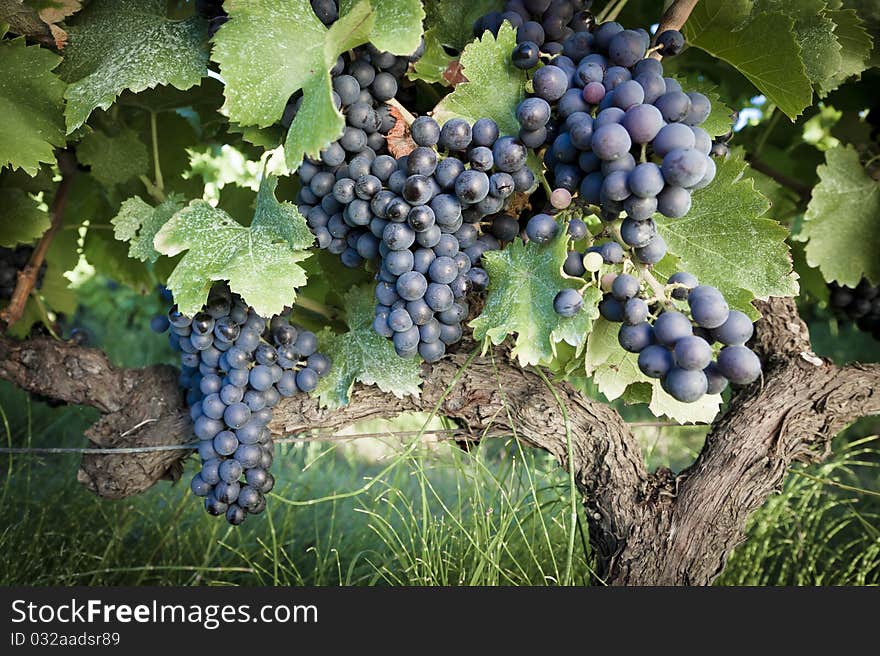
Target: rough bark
x=645, y=528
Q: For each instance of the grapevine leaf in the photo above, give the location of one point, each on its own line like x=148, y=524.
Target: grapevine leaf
x=433, y=63
x=814, y=33
x=114, y=159
x=260, y=81
x=761, y=46
x=495, y=86
x=856, y=43
x=398, y=24
x=841, y=220
x=23, y=220
x=128, y=44
x=616, y=374
x=260, y=262
x=724, y=240
x=110, y=257
x=524, y=280
x=137, y=223
x=362, y=355
x=448, y=23
x=30, y=104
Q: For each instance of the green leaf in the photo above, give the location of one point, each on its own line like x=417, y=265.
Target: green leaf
x=856, y=46
x=841, y=220
x=128, y=44
x=114, y=159
x=260, y=81
x=30, y=105
x=362, y=355
x=260, y=262
x=869, y=12
x=725, y=242
x=23, y=220
x=814, y=32
x=761, y=46
x=398, y=24
x=448, y=23
x=110, y=257
x=138, y=223
x=616, y=374
x=433, y=63
x=524, y=280
x=495, y=86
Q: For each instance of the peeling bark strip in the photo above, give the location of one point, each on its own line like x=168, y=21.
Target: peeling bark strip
x=645, y=528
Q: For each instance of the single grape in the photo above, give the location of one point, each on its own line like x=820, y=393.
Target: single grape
x=685, y=385
x=739, y=365
x=692, y=352
x=568, y=303
x=708, y=310
x=550, y=83
x=735, y=331
x=625, y=287
x=671, y=42
x=636, y=338
x=672, y=326
x=655, y=361
x=541, y=228
x=635, y=311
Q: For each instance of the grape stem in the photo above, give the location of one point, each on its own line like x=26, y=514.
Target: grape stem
x=656, y=287
x=27, y=277
x=674, y=18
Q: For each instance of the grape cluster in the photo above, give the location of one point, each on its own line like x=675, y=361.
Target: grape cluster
x=618, y=133
x=427, y=217
x=235, y=367
x=860, y=304
x=677, y=348
x=13, y=260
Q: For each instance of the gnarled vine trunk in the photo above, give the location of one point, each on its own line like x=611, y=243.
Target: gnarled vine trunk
x=647, y=528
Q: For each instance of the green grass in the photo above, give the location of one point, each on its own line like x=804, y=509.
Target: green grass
x=386, y=511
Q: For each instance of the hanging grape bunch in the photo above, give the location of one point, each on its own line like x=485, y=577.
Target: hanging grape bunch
x=236, y=367
x=620, y=137
x=423, y=219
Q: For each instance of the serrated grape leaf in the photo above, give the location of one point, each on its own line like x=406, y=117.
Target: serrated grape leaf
x=260, y=81
x=724, y=240
x=23, y=220
x=761, y=46
x=856, y=46
x=128, y=44
x=433, y=62
x=842, y=219
x=616, y=374
x=448, y=23
x=398, y=24
x=260, y=262
x=814, y=32
x=30, y=106
x=114, y=159
x=524, y=280
x=138, y=222
x=362, y=355
x=495, y=86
